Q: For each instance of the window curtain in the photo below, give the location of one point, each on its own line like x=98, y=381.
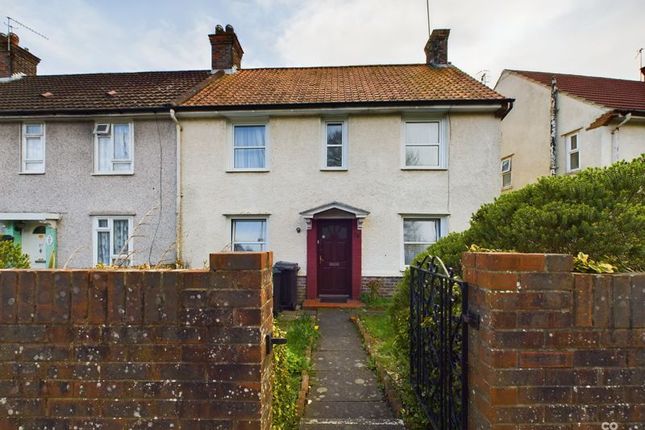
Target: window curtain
x=121, y=142
x=249, y=147
x=103, y=247
x=120, y=237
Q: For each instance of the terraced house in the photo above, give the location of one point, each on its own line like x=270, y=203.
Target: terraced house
x=347, y=171
x=88, y=163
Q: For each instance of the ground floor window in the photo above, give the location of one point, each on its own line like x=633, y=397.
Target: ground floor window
x=249, y=234
x=418, y=234
x=112, y=240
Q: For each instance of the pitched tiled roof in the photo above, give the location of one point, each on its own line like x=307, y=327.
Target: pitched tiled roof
x=381, y=84
x=620, y=94
x=89, y=92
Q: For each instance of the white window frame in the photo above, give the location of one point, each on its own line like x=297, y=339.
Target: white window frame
x=442, y=226
x=325, y=146
x=570, y=152
x=442, y=144
x=508, y=171
x=267, y=146
x=110, y=228
x=99, y=132
x=23, y=148
x=231, y=222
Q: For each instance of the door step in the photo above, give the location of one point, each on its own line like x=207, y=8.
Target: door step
x=317, y=304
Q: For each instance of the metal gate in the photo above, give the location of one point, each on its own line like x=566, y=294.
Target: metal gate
x=439, y=343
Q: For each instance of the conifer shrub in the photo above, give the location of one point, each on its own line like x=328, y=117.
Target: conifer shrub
x=12, y=257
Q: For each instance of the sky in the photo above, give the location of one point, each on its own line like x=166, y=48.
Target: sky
x=589, y=37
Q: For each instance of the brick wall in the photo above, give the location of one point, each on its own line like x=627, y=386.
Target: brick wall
x=555, y=350
x=89, y=349
x=387, y=285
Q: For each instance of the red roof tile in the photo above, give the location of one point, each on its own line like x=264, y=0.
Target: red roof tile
x=618, y=94
x=90, y=92
x=338, y=85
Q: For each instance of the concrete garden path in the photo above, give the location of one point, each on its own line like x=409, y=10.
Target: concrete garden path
x=344, y=392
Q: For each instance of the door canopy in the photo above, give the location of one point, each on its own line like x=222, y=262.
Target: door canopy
x=334, y=210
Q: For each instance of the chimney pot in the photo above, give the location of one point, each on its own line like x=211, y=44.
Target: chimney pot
x=226, y=51
x=437, y=48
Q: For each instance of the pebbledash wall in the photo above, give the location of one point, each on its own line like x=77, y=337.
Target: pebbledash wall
x=555, y=349
x=89, y=349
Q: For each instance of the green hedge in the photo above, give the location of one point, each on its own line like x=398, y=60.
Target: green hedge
x=600, y=212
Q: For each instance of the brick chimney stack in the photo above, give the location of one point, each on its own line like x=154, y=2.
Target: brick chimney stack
x=226, y=49
x=643, y=74
x=437, y=48
x=14, y=58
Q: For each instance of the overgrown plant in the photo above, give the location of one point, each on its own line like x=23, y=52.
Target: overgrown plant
x=289, y=361
x=12, y=257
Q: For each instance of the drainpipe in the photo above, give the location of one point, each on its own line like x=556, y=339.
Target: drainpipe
x=553, y=145
x=178, y=221
x=614, y=138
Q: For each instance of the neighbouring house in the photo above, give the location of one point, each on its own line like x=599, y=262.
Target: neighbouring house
x=88, y=162
x=563, y=123
x=347, y=171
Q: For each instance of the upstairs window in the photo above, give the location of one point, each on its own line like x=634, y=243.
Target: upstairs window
x=335, y=151
x=33, y=148
x=573, y=153
x=249, y=234
x=113, y=148
x=249, y=147
x=113, y=240
x=423, y=144
x=506, y=172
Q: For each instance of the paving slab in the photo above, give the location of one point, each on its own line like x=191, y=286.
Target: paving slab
x=344, y=392
x=360, y=409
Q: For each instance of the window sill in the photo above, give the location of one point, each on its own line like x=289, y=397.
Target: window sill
x=423, y=168
x=333, y=169
x=113, y=174
x=31, y=173
x=507, y=188
x=247, y=170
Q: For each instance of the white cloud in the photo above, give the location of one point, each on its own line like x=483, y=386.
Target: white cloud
x=574, y=36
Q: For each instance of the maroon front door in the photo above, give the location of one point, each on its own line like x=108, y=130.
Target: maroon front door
x=335, y=257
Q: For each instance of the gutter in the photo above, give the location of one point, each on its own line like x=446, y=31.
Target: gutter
x=178, y=212
x=340, y=105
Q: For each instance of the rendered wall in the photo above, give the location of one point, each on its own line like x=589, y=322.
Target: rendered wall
x=108, y=350
x=555, y=350
x=374, y=181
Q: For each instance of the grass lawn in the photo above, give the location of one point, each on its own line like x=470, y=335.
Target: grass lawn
x=289, y=361
x=387, y=356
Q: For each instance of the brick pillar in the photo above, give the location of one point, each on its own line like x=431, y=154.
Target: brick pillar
x=251, y=271
x=555, y=349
